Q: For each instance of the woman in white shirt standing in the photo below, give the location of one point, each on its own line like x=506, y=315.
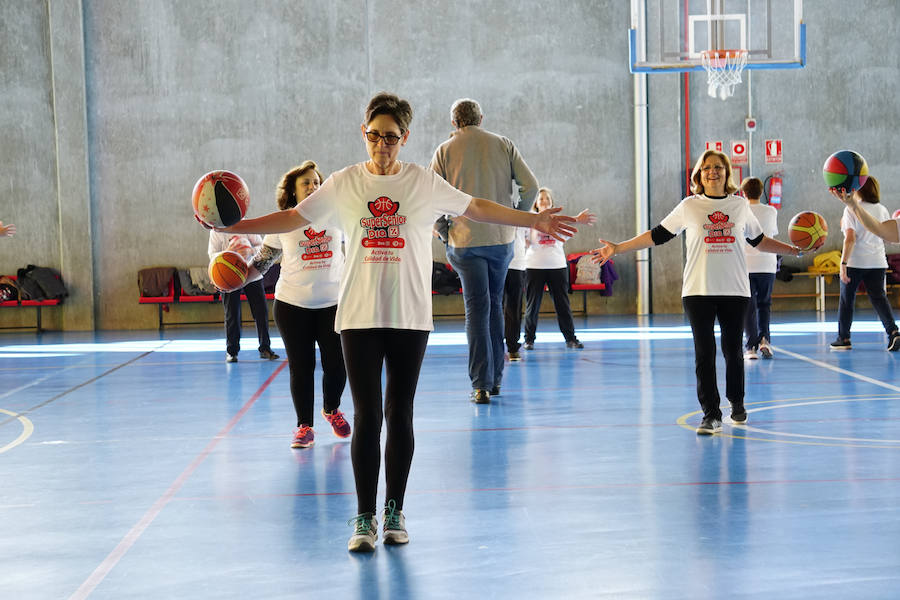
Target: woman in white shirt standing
x=306, y=296
x=386, y=209
x=545, y=263
x=863, y=261
x=512, y=296
x=761, y=267
x=715, y=283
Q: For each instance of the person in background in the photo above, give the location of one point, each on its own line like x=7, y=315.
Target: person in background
x=715, y=284
x=545, y=263
x=762, y=267
x=863, y=261
x=512, y=296
x=306, y=295
x=484, y=165
x=246, y=246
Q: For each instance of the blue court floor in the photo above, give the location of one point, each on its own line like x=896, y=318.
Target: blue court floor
x=141, y=465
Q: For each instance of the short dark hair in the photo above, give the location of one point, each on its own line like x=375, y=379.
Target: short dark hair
x=286, y=192
x=870, y=191
x=752, y=188
x=465, y=112
x=392, y=105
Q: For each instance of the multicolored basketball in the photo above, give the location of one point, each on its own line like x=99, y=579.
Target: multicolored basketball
x=845, y=170
x=808, y=230
x=228, y=271
x=896, y=214
x=220, y=199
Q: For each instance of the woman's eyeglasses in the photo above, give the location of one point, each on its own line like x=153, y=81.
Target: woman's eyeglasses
x=389, y=138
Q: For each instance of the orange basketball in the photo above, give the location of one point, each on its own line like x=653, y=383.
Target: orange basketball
x=228, y=271
x=808, y=230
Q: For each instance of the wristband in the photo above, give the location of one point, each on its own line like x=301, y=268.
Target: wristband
x=844, y=264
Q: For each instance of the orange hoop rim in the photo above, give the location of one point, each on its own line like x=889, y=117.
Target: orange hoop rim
x=722, y=54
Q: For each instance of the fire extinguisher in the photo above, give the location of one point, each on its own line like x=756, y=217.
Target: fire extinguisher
x=772, y=189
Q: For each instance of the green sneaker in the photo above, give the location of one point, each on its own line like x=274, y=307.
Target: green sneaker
x=365, y=532
x=394, y=525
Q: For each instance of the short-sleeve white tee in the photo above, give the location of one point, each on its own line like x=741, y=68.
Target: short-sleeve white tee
x=868, y=251
x=544, y=252
x=312, y=262
x=518, y=260
x=763, y=262
x=715, y=230
x=387, y=222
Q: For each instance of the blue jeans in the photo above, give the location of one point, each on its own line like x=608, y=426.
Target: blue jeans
x=482, y=271
x=758, y=310
x=874, y=280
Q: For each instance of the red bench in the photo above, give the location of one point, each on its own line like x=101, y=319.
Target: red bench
x=36, y=304
x=584, y=288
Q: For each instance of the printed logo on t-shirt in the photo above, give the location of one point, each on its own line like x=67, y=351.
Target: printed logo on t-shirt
x=718, y=229
x=315, y=246
x=383, y=227
x=545, y=239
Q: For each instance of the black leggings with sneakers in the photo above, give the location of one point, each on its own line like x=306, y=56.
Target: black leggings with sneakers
x=702, y=312
x=401, y=352
x=301, y=329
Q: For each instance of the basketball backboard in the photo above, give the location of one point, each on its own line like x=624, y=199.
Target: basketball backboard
x=668, y=36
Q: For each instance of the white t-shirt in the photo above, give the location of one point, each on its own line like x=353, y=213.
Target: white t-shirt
x=387, y=221
x=715, y=230
x=312, y=263
x=518, y=260
x=544, y=252
x=763, y=262
x=868, y=251
x=218, y=241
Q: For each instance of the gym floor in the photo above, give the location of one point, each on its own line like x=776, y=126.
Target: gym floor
x=141, y=465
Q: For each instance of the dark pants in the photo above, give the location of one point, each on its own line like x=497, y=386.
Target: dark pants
x=702, y=312
x=512, y=308
x=482, y=272
x=256, y=297
x=874, y=280
x=557, y=281
x=301, y=329
x=401, y=352
x=759, y=308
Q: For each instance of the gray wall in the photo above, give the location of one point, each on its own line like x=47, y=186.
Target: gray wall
x=112, y=109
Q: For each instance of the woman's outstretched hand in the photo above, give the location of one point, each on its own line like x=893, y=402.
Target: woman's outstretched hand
x=586, y=217
x=603, y=253
x=555, y=225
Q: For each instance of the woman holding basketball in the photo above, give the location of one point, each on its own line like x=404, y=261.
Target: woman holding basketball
x=386, y=209
x=716, y=222
x=863, y=261
x=306, y=296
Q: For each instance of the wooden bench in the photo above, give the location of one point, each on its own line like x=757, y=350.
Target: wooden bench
x=36, y=304
x=821, y=281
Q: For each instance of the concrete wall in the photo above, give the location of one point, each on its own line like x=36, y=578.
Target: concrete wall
x=111, y=110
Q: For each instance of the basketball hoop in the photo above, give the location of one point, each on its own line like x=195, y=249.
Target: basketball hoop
x=723, y=70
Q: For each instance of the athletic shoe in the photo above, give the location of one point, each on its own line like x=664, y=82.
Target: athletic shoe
x=481, y=397
x=495, y=391
x=840, y=344
x=339, y=424
x=268, y=354
x=304, y=437
x=365, y=532
x=894, y=344
x=750, y=354
x=709, y=426
x=528, y=345
x=514, y=357
x=394, y=525
x=738, y=414
x=574, y=343
x=230, y=357
x=765, y=349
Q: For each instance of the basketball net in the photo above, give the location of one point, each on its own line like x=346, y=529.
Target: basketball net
x=723, y=70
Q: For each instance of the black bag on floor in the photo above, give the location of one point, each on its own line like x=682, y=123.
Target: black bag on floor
x=41, y=283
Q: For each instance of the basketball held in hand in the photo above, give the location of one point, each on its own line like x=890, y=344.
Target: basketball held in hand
x=220, y=199
x=808, y=230
x=845, y=170
x=228, y=271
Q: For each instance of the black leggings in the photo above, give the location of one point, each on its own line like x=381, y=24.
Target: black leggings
x=702, y=312
x=401, y=352
x=557, y=281
x=301, y=329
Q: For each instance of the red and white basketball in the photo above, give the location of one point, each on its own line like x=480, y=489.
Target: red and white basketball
x=220, y=199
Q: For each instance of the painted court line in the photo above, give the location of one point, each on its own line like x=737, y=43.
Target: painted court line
x=825, y=365
x=132, y=536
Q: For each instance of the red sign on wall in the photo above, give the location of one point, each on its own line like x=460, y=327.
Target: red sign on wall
x=714, y=146
x=773, y=152
x=739, y=152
